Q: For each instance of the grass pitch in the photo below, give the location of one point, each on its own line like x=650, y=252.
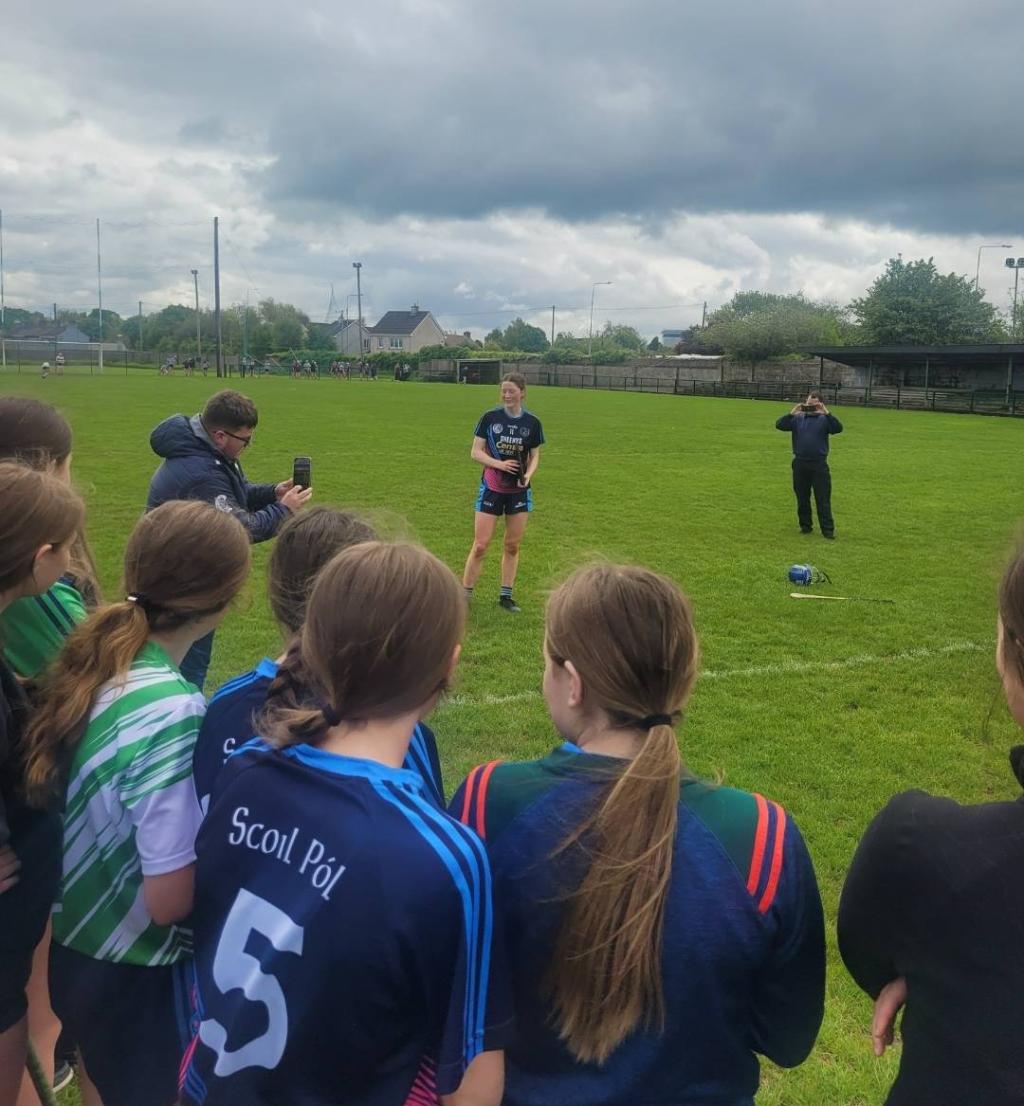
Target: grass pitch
x=829, y=708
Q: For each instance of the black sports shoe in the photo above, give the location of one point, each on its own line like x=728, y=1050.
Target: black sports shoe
x=507, y=603
x=831, y=537
x=806, y=529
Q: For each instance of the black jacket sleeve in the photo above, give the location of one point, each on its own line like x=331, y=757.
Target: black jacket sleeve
x=834, y=425
x=258, y=496
x=874, y=920
x=262, y=524
x=785, y=423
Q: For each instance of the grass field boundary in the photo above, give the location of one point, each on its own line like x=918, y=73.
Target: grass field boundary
x=784, y=668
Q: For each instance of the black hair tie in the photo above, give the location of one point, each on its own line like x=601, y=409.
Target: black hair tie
x=140, y=601
x=653, y=720
x=332, y=716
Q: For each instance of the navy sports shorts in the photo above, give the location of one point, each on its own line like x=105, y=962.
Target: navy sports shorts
x=24, y=909
x=131, y=1023
x=504, y=503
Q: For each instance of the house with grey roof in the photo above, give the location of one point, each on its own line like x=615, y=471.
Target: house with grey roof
x=349, y=338
x=406, y=331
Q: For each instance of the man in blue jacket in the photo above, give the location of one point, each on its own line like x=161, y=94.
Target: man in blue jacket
x=811, y=425
x=200, y=461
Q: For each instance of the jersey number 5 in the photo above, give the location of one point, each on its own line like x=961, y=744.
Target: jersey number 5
x=234, y=968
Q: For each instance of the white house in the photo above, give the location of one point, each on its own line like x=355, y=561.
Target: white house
x=408, y=331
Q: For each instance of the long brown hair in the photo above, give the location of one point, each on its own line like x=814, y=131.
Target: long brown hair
x=629, y=633
x=184, y=562
x=36, y=509
x=304, y=545
x=382, y=623
x=1011, y=614
x=38, y=435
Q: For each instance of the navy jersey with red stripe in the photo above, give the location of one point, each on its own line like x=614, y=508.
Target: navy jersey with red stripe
x=344, y=934
x=230, y=721
x=743, y=958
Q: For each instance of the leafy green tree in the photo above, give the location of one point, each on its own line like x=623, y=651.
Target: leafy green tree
x=494, y=339
x=654, y=345
x=625, y=337
x=912, y=303
x=757, y=326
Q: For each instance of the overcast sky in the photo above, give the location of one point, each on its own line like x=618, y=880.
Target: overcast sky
x=486, y=159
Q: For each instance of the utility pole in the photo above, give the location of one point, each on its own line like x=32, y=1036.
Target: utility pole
x=199, y=336
x=593, y=289
x=977, y=268
x=141, y=346
x=3, y=335
x=358, y=266
x=245, y=326
x=552, y=326
x=216, y=293
x=704, y=315
x=54, y=312
x=99, y=288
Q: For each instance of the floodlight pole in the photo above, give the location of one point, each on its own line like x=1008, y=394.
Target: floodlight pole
x=99, y=288
x=977, y=270
x=199, y=336
x=358, y=266
x=221, y=371
x=593, y=289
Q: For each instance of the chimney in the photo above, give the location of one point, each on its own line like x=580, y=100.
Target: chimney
x=466, y=334
x=414, y=309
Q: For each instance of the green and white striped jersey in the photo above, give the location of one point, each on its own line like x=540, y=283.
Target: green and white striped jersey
x=33, y=629
x=131, y=812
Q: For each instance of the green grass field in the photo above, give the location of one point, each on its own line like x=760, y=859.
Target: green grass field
x=828, y=708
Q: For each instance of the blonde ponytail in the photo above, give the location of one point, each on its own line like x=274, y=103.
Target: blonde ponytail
x=629, y=633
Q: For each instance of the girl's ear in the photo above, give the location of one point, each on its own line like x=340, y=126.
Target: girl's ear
x=456, y=653
x=576, y=690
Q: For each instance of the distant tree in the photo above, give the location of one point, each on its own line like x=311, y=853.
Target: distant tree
x=625, y=337
x=521, y=335
x=494, y=339
x=19, y=316
x=912, y=303
x=654, y=345
x=756, y=326
x=288, y=325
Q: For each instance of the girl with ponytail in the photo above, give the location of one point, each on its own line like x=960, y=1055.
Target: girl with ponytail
x=33, y=629
x=661, y=930
x=368, y=907
x=304, y=545
x=115, y=731
x=39, y=519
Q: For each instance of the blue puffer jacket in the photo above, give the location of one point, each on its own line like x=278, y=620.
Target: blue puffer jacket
x=193, y=468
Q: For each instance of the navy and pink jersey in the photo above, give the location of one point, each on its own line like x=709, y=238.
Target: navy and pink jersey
x=508, y=438
x=230, y=722
x=347, y=951
x=743, y=954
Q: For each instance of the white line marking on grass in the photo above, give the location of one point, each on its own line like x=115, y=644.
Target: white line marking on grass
x=784, y=668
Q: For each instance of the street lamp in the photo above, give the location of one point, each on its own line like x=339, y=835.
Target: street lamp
x=977, y=271
x=1016, y=264
x=199, y=337
x=593, y=289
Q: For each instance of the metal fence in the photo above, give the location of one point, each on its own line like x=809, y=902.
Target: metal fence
x=956, y=400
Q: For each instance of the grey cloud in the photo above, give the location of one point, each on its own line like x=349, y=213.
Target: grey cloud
x=891, y=113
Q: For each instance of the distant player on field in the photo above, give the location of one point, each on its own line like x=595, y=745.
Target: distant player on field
x=507, y=443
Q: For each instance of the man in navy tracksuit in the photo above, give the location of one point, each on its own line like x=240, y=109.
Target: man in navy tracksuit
x=200, y=461
x=811, y=424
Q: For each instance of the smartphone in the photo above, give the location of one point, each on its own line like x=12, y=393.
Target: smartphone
x=302, y=472
x=808, y=407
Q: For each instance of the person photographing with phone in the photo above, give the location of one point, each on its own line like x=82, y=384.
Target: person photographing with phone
x=506, y=442
x=811, y=425
x=202, y=460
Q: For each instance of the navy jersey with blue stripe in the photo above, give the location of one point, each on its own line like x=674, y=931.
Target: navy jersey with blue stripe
x=230, y=722
x=344, y=935
x=743, y=952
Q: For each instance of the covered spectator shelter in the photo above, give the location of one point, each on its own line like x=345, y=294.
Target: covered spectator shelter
x=994, y=367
